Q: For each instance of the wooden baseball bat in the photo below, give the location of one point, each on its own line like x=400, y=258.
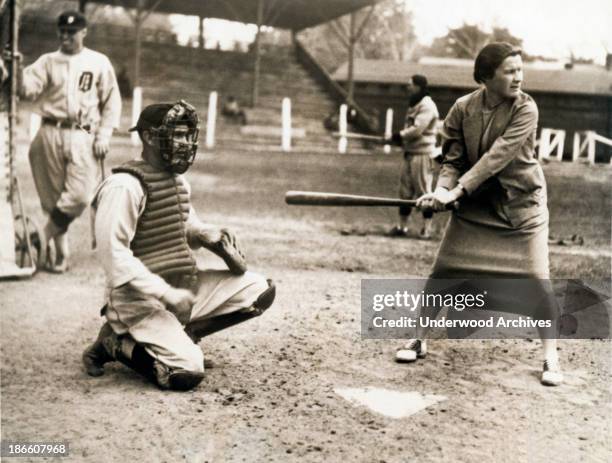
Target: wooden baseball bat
x=360, y=136
x=92, y=214
x=314, y=198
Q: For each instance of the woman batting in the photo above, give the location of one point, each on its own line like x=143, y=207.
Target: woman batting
x=500, y=229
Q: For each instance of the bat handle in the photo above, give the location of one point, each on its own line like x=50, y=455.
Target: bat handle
x=449, y=207
x=452, y=206
x=102, y=170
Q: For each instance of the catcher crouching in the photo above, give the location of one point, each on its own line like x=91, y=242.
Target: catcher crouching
x=159, y=304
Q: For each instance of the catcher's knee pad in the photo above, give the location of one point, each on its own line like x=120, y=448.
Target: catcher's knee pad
x=201, y=328
x=265, y=299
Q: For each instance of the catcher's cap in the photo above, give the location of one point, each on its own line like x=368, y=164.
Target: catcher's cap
x=152, y=116
x=71, y=20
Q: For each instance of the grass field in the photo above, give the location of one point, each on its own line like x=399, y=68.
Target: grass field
x=580, y=201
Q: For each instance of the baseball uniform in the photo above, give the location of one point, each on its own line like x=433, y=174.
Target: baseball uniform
x=78, y=99
x=419, y=141
x=134, y=292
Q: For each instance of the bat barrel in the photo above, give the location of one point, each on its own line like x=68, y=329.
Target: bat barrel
x=359, y=136
x=314, y=198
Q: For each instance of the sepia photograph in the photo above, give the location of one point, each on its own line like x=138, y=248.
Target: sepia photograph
x=373, y=231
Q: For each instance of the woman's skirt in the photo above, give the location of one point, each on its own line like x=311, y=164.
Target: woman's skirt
x=482, y=246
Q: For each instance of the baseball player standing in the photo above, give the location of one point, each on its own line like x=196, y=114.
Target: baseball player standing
x=419, y=141
x=78, y=99
x=159, y=304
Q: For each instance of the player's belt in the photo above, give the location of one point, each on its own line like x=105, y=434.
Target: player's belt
x=64, y=124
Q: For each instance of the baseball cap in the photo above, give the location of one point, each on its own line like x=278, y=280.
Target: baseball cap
x=72, y=20
x=152, y=116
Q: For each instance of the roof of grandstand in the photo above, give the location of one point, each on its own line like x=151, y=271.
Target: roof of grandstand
x=284, y=14
x=444, y=72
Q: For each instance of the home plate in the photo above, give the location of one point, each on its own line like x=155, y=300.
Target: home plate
x=394, y=404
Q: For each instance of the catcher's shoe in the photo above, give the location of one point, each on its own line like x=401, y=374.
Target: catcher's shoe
x=176, y=379
x=184, y=380
x=551, y=373
x=414, y=349
x=96, y=355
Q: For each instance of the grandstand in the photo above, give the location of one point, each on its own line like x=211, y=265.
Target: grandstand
x=169, y=71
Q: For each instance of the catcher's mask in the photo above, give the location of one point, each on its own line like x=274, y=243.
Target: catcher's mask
x=177, y=137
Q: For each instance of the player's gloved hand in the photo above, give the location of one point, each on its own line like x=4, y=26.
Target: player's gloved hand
x=439, y=199
x=179, y=302
x=202, y=236
x=100, y=148
x=224, y=244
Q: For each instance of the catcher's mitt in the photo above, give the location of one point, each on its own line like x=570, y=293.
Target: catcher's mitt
x=227, y=248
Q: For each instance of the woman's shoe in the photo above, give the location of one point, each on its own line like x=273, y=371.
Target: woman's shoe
x=551, y=373
x=414, y=349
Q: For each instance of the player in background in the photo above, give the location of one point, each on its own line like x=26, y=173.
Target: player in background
x=78, y=99
x=418, y=138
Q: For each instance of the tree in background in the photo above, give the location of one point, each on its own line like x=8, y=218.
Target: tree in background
x=389, y=33
x=385, y=32
x=466, y=41
x=45, y=10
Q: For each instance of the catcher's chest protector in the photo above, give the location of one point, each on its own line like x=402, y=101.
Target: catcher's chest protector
x=160, y=241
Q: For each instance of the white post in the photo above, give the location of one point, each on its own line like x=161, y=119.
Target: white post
x=136, y=108
x=591, y=152
x=343, y=129
x=388, y=129
x=583, y=145
x=286, y=121
x=34, y=125
x=544, y=144
x=576, y=147
x=211, y=120
x=560, y=139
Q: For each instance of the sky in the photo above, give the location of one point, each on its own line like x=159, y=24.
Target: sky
x=551, y=28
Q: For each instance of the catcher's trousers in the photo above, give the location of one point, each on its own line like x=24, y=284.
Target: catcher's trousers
x=161, y=333
x=64, y=168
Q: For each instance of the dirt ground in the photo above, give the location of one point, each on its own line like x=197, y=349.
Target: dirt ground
x=270, y=396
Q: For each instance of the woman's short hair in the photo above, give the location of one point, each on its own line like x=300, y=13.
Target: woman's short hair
x=490, y=57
